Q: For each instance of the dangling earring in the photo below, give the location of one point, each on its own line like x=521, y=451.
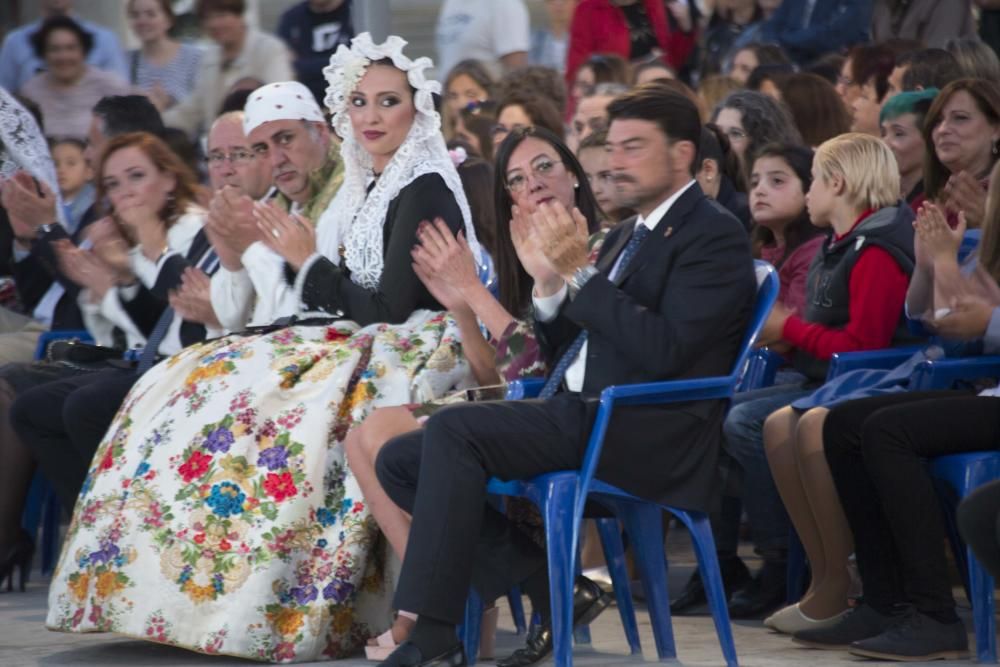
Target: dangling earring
x=170, y=207
x=577, y=184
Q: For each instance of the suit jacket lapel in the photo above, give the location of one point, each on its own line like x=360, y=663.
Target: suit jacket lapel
x=665, y=228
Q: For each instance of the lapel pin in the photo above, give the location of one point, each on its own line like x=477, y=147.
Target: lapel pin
x=670, y=230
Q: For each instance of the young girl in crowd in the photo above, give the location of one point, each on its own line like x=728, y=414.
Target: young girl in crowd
x=783, y=233
x=593, y=158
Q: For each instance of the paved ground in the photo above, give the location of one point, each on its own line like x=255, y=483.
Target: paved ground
x=24, y=640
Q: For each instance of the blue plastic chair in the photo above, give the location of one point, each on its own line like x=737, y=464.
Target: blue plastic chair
x=561, y=497
x=42, y=506
x=962, y=474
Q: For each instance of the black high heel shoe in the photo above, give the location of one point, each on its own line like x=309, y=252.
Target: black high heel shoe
x=19, y=556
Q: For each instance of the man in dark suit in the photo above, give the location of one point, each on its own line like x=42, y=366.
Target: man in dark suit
x=669, y=298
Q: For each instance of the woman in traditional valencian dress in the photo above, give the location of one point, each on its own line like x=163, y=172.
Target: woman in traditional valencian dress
x=219, y=514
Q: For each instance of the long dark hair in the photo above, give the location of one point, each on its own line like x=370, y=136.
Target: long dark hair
x=515, y=283
x=800, y=230
x=986, y=95
x=477, y=181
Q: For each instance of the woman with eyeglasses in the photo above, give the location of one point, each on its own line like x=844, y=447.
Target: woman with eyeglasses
x=533, y=167
x=751, y=119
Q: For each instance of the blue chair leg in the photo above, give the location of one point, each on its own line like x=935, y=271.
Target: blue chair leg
x=708, y=564
x=517, y=609
x=983, y=612
x=581, y=633
x=644, y=525
x=614, y=556
x=556, y=505
x=471, y=628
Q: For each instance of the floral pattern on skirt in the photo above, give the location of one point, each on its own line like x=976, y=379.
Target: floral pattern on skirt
x=219, y=513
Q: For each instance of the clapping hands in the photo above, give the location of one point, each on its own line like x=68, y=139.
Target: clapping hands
x=26, y=207
x=551, y=242
x=290, y=235
x=231, y=226
x=963, y=194
x=444, y=263
x=935, y=240
x=193, y=300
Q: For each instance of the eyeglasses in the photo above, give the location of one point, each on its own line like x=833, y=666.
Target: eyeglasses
x=238, y=156
x=542, y=169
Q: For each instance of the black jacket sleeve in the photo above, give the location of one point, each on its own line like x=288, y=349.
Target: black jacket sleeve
x=328, y=287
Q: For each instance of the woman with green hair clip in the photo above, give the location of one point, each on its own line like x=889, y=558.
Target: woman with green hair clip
x=901, y=121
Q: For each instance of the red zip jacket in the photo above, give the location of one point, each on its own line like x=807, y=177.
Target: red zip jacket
x=599, y=27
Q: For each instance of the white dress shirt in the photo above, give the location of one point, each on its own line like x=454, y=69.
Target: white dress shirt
x=547, y=308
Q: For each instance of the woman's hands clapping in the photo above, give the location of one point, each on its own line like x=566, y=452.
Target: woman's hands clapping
x=85, y=269
x=445, y=264
x=935, y=240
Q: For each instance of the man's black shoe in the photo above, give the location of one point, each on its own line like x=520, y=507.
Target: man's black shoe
x=408, y=655
x=862, y=622
x=588, y=603
x=763, y=594
x=734, y=575
x=916, y=637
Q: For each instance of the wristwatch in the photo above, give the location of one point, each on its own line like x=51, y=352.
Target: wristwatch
x=580, y=278
x=46, y=228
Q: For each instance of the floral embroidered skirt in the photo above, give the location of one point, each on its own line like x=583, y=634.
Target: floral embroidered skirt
x=219, y=514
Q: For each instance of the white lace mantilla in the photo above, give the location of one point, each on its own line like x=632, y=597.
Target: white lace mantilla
x=357, y=220
x=23, y=146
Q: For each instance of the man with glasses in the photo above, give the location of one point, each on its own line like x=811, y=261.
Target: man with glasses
x=231, y=160
x=289, y=138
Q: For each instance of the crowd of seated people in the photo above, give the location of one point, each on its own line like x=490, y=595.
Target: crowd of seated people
x=308, y=264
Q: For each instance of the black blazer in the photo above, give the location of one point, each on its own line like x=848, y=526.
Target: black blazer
x=147, y=306
x=35, y=273
x=679, y=310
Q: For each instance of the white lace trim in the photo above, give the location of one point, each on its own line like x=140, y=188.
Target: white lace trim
x=23, y=146
x=355, y=218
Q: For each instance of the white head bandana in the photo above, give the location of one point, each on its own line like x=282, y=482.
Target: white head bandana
x=23, y=146
x=284, y=100
x=353, y=216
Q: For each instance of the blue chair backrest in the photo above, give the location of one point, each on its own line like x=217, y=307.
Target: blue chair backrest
x=768, y=287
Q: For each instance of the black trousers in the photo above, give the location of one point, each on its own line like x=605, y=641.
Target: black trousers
x=877, y=450
x=62, y=422
x=979, y=524
x=439, y=476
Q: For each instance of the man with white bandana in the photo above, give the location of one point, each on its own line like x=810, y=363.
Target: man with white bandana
x=286, y=128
